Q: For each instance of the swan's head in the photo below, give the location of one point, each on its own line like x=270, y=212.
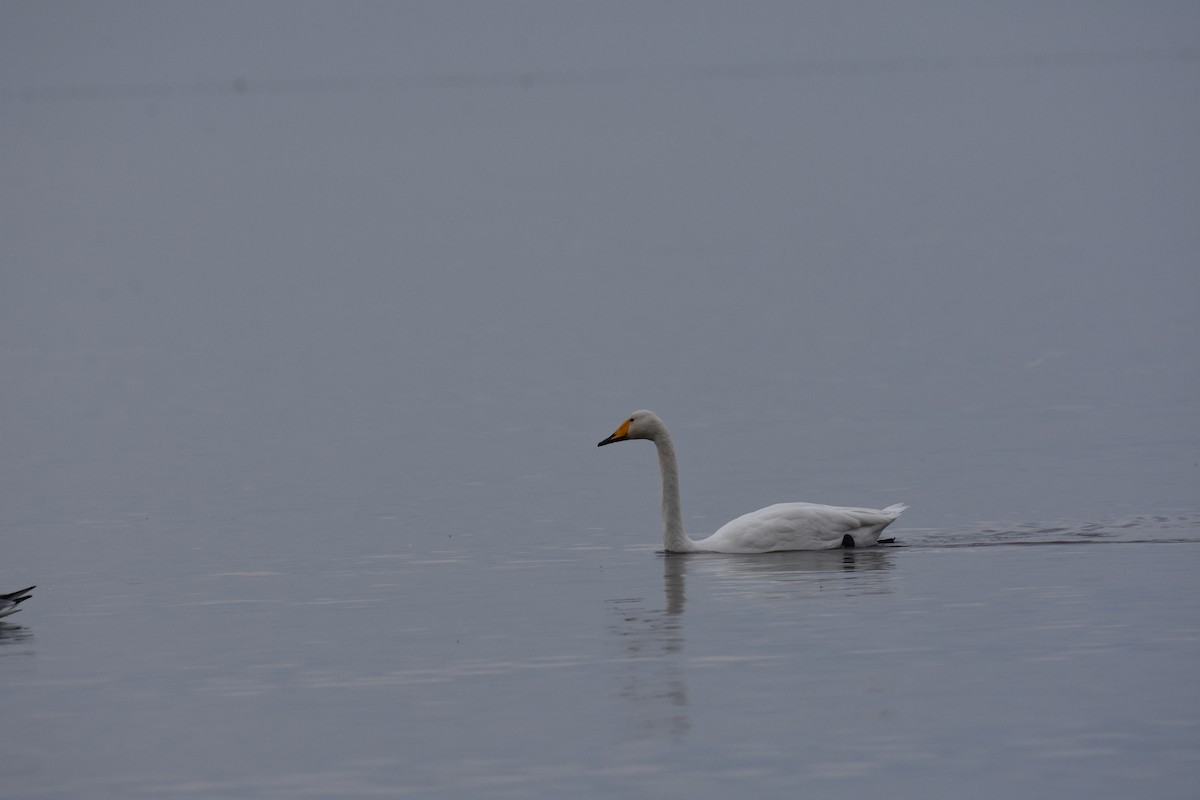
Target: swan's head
x=639, y=425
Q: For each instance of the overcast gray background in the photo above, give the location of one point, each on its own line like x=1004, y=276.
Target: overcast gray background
x=278, y=228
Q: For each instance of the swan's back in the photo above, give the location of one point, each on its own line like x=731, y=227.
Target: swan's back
x=800, y=526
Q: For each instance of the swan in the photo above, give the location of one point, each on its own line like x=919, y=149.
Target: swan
x=784, y=526
x=9, y=602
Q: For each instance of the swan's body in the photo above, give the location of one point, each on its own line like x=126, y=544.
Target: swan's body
x=784, y=526
x=9, y=603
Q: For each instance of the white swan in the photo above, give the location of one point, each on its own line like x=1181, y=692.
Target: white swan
x=784, y=526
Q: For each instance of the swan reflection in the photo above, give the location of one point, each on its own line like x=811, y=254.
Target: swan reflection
x=650, y=638
x=650, y=681
x=849, y=572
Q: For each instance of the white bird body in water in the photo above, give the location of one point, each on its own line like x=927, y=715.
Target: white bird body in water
x=784, y=526
x=10, y=603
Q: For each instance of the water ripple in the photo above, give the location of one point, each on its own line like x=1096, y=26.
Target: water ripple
x=1138, y=529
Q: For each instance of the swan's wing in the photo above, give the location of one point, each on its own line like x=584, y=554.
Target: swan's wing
x=800, y=526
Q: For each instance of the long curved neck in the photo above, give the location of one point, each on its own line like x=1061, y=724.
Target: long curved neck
x=674, y=539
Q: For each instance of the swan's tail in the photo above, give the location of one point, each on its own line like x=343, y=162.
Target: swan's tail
x=896, y=510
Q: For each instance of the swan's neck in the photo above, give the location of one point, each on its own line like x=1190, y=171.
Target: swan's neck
x=674, y=539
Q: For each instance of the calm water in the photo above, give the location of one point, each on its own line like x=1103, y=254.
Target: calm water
x=594, y=668
x=307, y=338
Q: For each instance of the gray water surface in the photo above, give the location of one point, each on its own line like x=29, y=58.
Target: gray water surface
x=1064, y=669
x=308, y=332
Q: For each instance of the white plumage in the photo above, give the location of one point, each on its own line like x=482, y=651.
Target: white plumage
x=783, y=526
